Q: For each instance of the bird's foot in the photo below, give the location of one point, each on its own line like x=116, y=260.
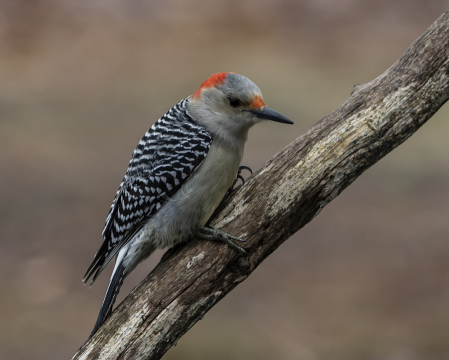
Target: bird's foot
x=239, y=176
x=212, y=234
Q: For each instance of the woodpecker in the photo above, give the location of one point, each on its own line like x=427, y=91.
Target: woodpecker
x=178, y=175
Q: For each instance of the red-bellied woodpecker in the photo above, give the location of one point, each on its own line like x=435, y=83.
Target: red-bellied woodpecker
x=178, y=175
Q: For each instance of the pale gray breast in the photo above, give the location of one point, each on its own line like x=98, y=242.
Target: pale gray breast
x=216, y=175
x=192, y=205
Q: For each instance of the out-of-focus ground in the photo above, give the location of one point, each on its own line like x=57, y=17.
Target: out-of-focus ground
x=81, y=81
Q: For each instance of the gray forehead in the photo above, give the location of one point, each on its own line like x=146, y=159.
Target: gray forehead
x=239, y=86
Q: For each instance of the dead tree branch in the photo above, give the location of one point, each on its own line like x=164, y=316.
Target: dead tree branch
x=288, y=192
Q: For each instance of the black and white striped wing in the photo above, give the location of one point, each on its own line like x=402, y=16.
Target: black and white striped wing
x=164, y=159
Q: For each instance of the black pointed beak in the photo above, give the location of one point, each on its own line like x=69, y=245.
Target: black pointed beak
x=267, y=113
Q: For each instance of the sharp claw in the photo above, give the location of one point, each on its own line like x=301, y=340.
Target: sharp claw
x=215, y=234
x=241, y=178
x=244, y=167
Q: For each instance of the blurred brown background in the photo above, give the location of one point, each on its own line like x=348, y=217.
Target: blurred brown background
x=81, y=81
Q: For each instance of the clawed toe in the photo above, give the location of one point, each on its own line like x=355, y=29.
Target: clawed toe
x=244, y=167
x=239, y=176
x=212, y=234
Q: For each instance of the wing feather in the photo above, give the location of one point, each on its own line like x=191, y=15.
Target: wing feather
x=164, y=159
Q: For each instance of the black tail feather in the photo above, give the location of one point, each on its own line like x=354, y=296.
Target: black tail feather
x=109, y=299
x=96, y=263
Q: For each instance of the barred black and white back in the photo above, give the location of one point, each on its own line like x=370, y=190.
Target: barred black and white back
x=164, y=159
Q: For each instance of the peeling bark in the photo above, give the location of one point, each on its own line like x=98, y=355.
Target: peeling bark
x=288, y=192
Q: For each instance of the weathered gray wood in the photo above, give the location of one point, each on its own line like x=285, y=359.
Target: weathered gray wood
x=278, y=200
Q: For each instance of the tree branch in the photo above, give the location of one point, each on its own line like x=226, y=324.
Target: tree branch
x=288, y=192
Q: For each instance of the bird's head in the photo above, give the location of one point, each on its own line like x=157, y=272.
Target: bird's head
x=228, y=104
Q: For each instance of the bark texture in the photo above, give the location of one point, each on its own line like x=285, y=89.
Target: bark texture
x=288, y=192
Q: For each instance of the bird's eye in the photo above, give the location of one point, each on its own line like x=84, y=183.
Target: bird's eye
x=234, y=102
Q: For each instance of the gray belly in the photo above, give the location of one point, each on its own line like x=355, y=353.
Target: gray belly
x=191, y=207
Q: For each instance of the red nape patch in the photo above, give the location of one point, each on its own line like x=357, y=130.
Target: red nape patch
x=214, y=80
x=257, y=103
